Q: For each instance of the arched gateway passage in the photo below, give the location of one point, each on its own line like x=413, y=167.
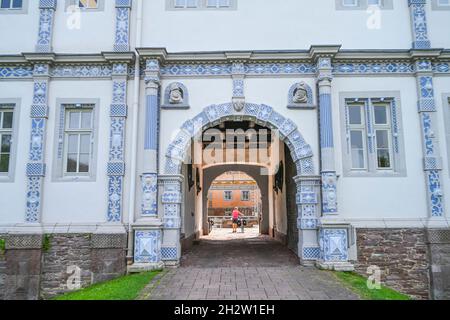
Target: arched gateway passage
x=174, y=187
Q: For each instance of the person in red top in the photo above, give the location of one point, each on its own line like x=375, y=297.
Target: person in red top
x=236, y=215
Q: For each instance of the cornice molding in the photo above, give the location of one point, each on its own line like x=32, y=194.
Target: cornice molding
x=218, y=64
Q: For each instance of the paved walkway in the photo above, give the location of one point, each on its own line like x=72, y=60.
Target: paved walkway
x=227, y=266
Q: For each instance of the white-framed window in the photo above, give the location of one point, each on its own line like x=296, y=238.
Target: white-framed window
x=364, y=4
x=11, y=4
x=377, y=3
x=440, y=4
x=372, y=137
x=9, y=127
x=201, y=4
x=85, y=5
x=350, y=3
x=245, y=195
x=357, y=135
x=218, y=3
x=88, y=4
x=78, y=141
x=228, y=195
x=186, y=4
x=6, y=137
x=383, y=135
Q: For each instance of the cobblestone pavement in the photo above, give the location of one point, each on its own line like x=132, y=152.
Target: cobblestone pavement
x=245, y=267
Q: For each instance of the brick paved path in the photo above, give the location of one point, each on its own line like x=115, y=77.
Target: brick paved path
x=252, y=267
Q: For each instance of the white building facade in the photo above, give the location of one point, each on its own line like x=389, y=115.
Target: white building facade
x=102, y=102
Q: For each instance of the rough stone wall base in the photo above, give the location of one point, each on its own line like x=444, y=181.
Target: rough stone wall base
x=2, y=271
x=41, y=267
x=439, y=248
x=401, y=255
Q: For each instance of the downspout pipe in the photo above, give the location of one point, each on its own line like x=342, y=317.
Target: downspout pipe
x=135, y=133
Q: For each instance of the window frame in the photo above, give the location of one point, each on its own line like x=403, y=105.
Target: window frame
x=446, y=107
x=59, y=170
x=383, y=127
x=397, y=150
x=202, y=5
x=100, y=6
x=5, y=104
x=225, y=192
x=78, y=132
x=361, y=128
x=23, y=10
x=435, y=5
x=364, y=5
x=242, y=195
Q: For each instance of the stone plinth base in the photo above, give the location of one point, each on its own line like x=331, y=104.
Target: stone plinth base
x=335, y=266
x=145, y=267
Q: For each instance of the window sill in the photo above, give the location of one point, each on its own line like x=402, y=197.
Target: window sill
x=75, y=179
x=372, y=174
x=6, y=178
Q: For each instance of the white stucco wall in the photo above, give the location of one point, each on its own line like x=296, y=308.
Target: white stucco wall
x=18, y=32
x=86, y=32
x=376, y=198
x=78, y=202
x=290, y=24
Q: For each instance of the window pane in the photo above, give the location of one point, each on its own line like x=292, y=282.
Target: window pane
x=191, y=3
x=224, y=3
x=85, y=141
x=72, y=143
x=74, y=120
x=384, y=160
x=382, y=139
x=381, y=116
x=4, y=163
x=71, y=162
x=88, y=4
x=84, y=163
x=86, y=118
x=355, y=115
x=7, y=120
x=6, y=4
x=6, y=143
x=358, y=159
x=17, y=4
x=356, y=139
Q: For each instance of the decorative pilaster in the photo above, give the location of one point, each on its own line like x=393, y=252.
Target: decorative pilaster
x=122, y=37
x=328, y=169
x=419, y=24
x=171, y=201
x=308, y=194
x=116, y=165
x=150, y=173
x=428, y=119
x=47, y=10
x=36, y=166
x=238, y=75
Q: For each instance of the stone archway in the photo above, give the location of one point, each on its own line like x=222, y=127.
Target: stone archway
x=307, y=180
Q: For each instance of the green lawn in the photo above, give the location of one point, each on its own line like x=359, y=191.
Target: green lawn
x=124, y=288
x=358, y=284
